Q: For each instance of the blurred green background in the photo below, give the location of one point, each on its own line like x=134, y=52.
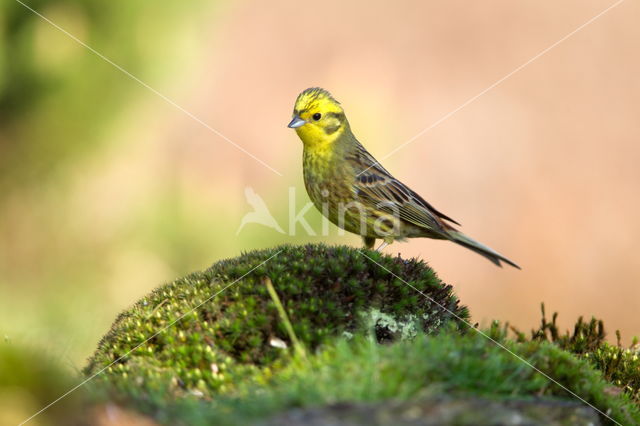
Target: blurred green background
x=86, y=228
x=69, y=244
x=108, y=190
x=57, y=105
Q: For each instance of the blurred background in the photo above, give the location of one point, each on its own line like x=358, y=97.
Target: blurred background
x=107, y=190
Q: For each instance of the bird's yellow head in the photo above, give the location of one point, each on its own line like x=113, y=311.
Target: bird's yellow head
x=318, y=119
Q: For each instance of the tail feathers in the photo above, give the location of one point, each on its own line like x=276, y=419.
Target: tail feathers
x=481, y=249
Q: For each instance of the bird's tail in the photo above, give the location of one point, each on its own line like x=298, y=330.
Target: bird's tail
x=481, y=249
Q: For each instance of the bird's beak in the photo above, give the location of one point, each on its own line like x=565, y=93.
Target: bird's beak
x=296, y=122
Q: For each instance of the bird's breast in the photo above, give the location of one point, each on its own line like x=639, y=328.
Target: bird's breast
x=328, y=180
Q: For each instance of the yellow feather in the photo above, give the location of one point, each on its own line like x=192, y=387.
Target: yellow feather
x=314, y=134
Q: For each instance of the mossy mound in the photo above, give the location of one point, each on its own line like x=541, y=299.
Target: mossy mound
x=212, y=329
x=213, y=348
x=449, y=366
x=448, y=374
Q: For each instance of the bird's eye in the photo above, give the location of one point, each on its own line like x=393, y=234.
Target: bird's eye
x=317, y=116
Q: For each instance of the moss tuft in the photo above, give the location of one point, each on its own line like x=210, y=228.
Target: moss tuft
x=619, y=365
x=219, y=325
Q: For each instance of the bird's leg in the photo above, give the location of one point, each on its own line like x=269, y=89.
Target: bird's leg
x=385, y=243
x=381, y=246
x=369, y=242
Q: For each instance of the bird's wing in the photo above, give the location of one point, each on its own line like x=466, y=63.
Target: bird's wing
x=391, y=196
x=375, y=185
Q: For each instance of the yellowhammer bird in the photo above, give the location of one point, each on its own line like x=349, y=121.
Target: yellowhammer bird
x=355, y=192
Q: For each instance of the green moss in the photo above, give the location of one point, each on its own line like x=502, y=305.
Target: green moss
x=446, y=364
x=619, y=365
x=361, y=370
x=211, y=329
x=211, y=358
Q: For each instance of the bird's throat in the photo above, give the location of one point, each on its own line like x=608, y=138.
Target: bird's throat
x=317, y=139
